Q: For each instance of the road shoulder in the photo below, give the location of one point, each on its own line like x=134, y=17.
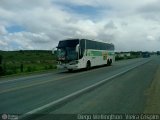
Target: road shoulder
x=153, y=102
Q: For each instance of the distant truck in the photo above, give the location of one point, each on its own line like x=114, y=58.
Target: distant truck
x=145, y=54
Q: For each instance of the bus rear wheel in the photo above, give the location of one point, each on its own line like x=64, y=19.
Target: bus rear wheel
x=109, y=62
x=88, y=66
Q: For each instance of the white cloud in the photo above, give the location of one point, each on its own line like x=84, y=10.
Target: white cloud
x=25, y=40
x=150, y=38
x=3, y=43
x=3, y=30
x=127, y=24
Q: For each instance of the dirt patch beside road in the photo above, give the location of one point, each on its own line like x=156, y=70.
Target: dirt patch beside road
x=153, y=102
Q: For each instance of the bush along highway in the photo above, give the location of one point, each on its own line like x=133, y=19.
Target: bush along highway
x=24, y=61
x=128, y=55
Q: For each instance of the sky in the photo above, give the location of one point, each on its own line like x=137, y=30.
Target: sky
x=41, y=24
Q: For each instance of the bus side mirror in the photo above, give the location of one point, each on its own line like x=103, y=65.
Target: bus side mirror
x=77, y=48
x=54, y=51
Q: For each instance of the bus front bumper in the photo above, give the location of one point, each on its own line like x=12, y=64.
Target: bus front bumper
x=67, y=66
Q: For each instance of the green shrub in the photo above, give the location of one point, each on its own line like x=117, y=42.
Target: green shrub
x=119, y=58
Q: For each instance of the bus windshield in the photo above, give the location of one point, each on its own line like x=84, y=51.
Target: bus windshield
x=67, y=50
x=67, y=54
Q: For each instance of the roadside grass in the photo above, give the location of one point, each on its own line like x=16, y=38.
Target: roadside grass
x=153, y=94
x=26, y=61
x=31, y=67
x=26, y=74
x=117, y=58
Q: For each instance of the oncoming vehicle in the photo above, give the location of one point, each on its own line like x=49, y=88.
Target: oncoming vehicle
x=145, y=54
x=75, y=54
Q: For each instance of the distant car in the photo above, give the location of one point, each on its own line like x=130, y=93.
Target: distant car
x=158, y=52
x=145, y=54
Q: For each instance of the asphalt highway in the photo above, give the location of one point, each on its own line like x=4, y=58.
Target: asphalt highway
x=119, y=93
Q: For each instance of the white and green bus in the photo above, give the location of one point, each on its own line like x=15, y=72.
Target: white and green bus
x=75, y=54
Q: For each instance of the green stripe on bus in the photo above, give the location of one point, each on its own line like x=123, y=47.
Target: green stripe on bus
x=99, y=53
x=94, y=53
